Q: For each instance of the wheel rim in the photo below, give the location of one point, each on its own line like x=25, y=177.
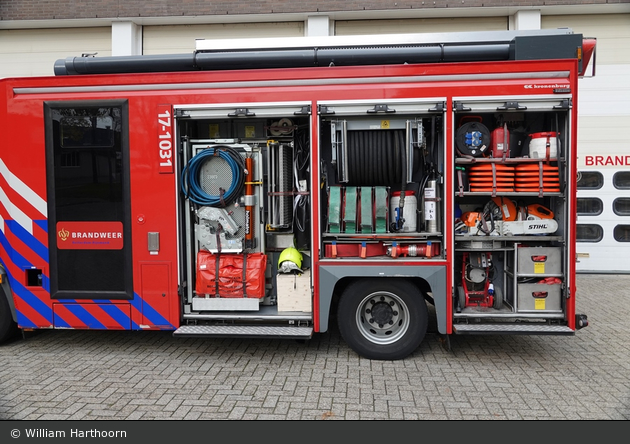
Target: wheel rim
x=382, y=318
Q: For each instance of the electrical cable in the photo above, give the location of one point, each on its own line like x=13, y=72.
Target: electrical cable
x=300, y=165
x=191, y=186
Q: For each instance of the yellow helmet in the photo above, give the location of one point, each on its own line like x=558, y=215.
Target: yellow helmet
x=292, y=255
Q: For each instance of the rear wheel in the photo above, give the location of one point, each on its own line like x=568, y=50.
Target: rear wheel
x=8, y=327
x=382, y=319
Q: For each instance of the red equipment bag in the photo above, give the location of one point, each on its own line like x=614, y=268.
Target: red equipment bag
x=233, y=270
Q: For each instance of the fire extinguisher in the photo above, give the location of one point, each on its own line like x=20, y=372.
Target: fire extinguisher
x=250, y=238
x=430, y=206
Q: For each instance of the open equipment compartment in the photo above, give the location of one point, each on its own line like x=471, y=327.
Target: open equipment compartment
x=382, y=194
x=244, y=198
x=511, y=206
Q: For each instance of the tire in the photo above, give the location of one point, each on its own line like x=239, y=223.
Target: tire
x=497, y=303
x=394, y=329
x=461, y=297
x=8, y=327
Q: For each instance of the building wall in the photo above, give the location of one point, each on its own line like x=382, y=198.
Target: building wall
x=87, y=9
x=33, y=34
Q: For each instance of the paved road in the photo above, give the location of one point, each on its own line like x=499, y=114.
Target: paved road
x=71, y=375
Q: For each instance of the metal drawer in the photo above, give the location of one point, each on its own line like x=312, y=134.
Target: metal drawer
x=539, y=298
x=539, y=260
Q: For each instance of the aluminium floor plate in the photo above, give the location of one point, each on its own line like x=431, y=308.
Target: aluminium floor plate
x=244, y=331
x=512, y=328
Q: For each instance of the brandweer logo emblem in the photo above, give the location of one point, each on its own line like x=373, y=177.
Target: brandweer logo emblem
x=64, y=234
x=89, y=235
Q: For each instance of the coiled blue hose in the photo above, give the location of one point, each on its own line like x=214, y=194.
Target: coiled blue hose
x=191, y=175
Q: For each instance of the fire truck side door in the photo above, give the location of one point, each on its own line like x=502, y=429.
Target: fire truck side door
x=87, y=163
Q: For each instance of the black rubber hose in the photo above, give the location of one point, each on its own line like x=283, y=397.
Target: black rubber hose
x=376, y=145
x=376, y=157
x=367, y=157
x=362, y=158
x=389, y=165
x=381, y=160
x=396, y=166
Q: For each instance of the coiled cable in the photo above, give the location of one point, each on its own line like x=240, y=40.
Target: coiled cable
x=191, y=185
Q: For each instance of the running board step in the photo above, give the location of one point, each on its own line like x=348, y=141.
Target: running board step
x=515, y=329
x=244, y=331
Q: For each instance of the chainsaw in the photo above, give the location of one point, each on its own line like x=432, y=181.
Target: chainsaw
x=502, y=218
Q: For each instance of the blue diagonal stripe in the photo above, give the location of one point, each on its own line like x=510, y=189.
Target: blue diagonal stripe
x=17, y=259
x=85, y=316
x=149, y=312
x=29, y=298
x=43, y=224
x=117, y=314
x=29, y=240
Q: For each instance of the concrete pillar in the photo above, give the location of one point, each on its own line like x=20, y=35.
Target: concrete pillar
x=317, y=25
x=525, y=19
x=126, y=39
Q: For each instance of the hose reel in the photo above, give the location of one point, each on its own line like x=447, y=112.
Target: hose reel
x=376, y=157
x=214, y=176
x=371, y=157
x=214, y=180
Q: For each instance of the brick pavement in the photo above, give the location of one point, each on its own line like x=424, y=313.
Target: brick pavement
x=75, y=375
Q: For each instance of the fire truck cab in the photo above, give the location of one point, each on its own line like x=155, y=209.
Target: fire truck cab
x=269, y=189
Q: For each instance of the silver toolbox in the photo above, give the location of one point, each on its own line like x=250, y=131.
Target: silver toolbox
x=539, y=260
x=539, y=298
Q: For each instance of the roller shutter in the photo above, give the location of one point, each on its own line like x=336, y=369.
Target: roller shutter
x=177, y=39
x=454, y=24
x=33, y=52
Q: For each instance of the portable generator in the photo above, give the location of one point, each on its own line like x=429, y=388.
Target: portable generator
x=477, y=289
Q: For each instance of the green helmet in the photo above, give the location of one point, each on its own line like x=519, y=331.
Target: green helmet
x=292, y=255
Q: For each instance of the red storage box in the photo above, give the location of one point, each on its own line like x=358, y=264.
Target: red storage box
x=233, y=270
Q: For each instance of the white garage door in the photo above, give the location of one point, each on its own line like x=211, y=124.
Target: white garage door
x=33, y=52
x=403, y=26
x=603, y=145
x=180, y=39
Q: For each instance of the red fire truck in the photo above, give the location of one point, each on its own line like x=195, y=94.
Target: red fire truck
x=268, y=188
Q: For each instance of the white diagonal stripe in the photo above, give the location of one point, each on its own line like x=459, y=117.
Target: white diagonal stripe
x=23, y=190
x=16, y=214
